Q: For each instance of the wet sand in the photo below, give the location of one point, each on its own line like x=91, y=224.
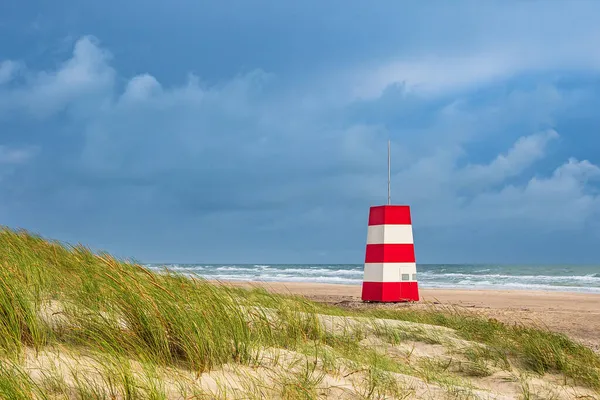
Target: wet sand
x=574, y=314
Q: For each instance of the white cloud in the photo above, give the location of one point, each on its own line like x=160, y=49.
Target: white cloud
x=141, y=88
x=524, y=153
x=433, y=75
x=562, y=201
x=445, y=194
x=438, y=73
x=46, y=93
x=436, y=176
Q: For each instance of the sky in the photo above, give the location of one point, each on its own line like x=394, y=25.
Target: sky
x=256, y=132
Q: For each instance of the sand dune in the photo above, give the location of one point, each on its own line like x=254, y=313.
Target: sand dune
x=575, y=314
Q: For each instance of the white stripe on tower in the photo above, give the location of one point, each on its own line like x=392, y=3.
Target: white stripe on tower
x=389, y=272
x=390, y=234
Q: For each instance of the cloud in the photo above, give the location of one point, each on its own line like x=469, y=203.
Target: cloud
x=466, y=48
x=81, y=77
x=279, y=169
x=433, y=76
x=525, y=152
x=564, y=201
x=447, y=194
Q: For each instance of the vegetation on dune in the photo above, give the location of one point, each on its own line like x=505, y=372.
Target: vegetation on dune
x=101, y=328
x=534, y=349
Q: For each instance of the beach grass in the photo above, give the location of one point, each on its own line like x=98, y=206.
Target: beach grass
x=79, y=324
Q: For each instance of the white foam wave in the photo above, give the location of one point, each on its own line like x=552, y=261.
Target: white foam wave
x=288, y=278
x=549, y=278
x=264, y=269
x=353, y=274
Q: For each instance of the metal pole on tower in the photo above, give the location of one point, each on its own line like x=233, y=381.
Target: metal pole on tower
x=389, y=174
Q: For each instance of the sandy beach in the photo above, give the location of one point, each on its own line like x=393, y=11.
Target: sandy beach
x=574, y=314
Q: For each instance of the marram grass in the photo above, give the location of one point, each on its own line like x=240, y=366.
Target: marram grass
x=137, y=326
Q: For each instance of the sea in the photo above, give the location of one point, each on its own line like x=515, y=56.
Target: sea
x=572, y=278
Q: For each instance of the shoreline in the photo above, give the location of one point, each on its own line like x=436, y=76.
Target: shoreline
x=515, y=297
x=355, y=288
x=575, y=314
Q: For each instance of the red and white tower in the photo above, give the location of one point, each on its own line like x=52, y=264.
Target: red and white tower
x=390, y=273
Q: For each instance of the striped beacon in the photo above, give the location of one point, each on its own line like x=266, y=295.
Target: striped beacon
x=390, y=273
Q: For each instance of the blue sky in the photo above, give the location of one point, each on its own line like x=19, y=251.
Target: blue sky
x=238, y=131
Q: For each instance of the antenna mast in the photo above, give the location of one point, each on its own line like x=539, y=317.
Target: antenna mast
x=389, y=175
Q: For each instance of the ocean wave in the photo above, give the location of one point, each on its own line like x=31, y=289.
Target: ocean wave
x=265, y=269
x=590, y=278
x=466, y=276
x=179, y=267
x=318, y=271
x=227, y=268
x=290, y=278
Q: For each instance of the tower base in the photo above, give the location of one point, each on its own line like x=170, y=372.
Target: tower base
x=390, y=292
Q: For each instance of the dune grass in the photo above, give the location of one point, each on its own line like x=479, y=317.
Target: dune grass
x=535, y=349
x=136, y=326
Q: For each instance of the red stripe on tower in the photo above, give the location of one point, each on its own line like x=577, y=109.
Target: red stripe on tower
x=390, y=253
x=390, y=215
x=390, y=267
